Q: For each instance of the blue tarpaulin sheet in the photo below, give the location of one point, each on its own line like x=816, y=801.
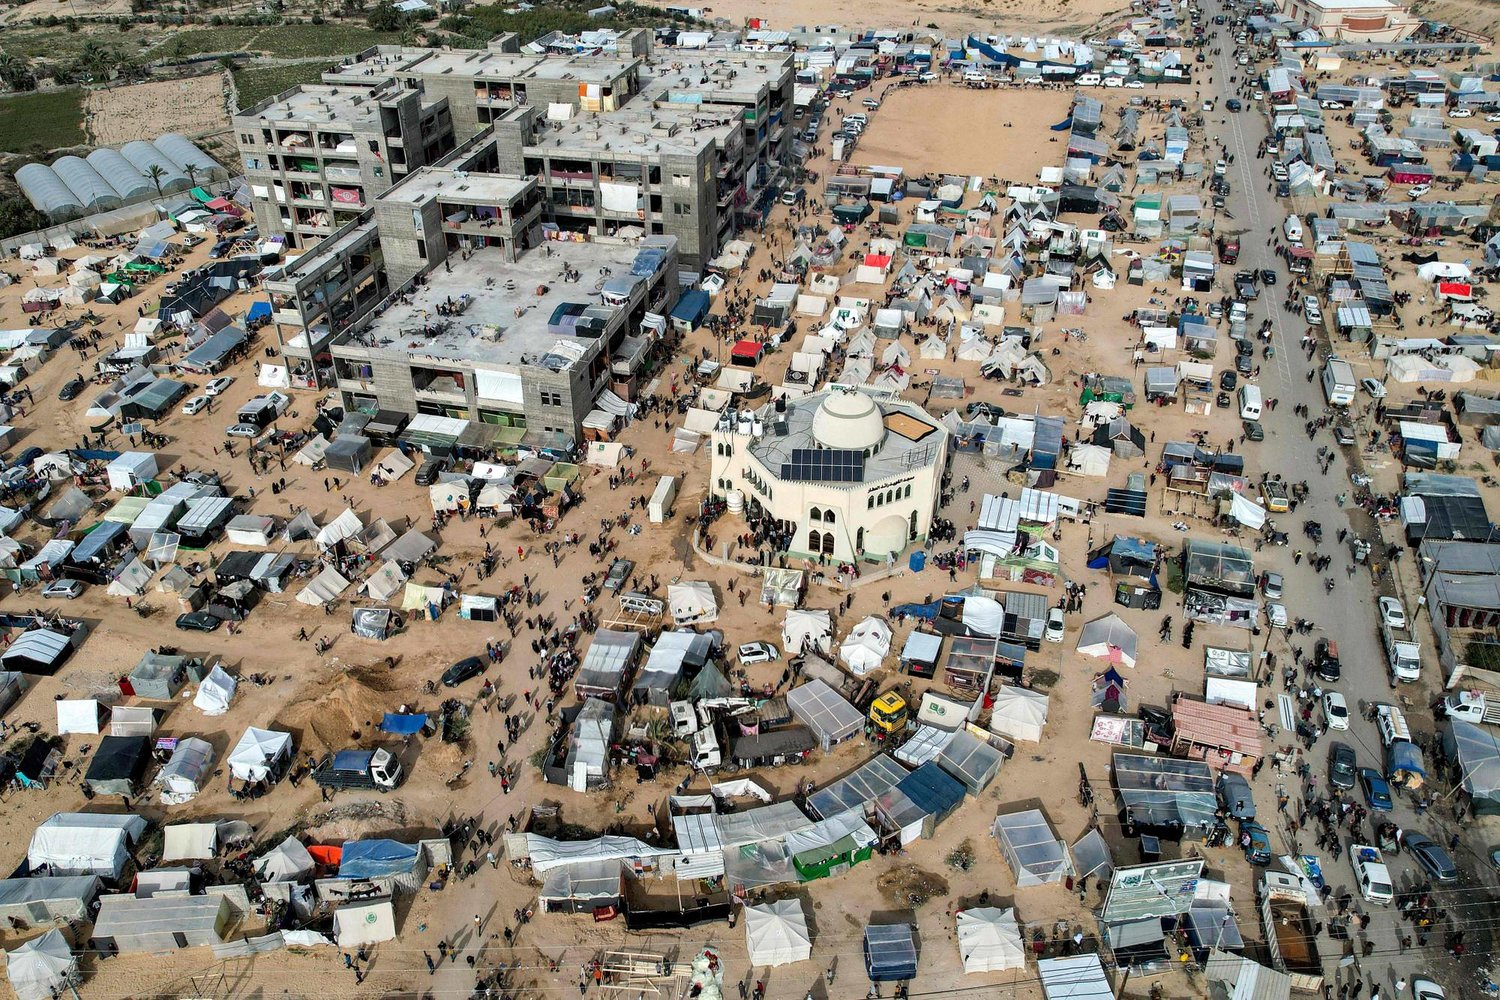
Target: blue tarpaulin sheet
x=1404, y=756
x=376, y=858
x=257, y=310
x=402, y=725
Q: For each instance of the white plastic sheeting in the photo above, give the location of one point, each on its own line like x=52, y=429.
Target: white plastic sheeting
x=989, y=939
x=1108, y=638
x=84, y=843
x=215, y=692
x=805, y=630
x=189, y=841
x=78, y=715
x=776, y=933
x=692, y=602
x=254, y=756
x=1019, y=714
x=323, y=588
x=41, y=968
x=866, y=646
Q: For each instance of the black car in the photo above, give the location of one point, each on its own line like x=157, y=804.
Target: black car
x=1253, y=430
x=430, y=470
x=198, y=621
x=1341, y=766
x=1283, y=189
x=1326, y=660
x=1268, y=275
x=462, y=671
x=1244, y=364
x=1233, y=104
x=1228, y=380
x=1437, y=862
x=71, y=389
x=1243, y=348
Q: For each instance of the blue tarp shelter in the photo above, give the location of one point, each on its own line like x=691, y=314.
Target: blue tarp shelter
x=258, y=310
x=377, y=858
x=890, y=953
x=403, y=725
x=691, y=309
x=934, y=790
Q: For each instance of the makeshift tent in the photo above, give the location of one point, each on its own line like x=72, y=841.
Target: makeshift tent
x=866, y=646
x=215, y=692
x=166, y=922
x=38, y=651
x=364, y=922
x=392, y=465
x=189, y=842
x=324, y=587
x=804, y=631
x=1019, y=714
x=1080, y=977
x=971, y=760
x=42, y=968
x=259, y=754
x=823, y=710
x=668, y=664
x=377, y=858
x=1476, y=749
x=776, y=933
x=286, y=862
x=1235, y=977
x=117, y=765
x=1035, y=854
x=890, y=953
x=79, y=715
x=84, y=844
x=46, y=899
x=692, y=602
x=1108, y=638
x=989, y=940
x=345, y=526
x=251, y=529
x=181, y=778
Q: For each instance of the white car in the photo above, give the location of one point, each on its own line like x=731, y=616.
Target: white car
x=1492, y=117
x=1257, y=96
x=1373, y=387
x=1461, y=113
x=1135, y=85
x=1418, y=190
x=1311, y=309
x=1423, y=988
x=1055, y=625
x=218, y=385
x=1330, y=105
x=195, y=405
x=1113, y=81
x=1336, y=710
x=1220, y=168
x=1276, y=615
x=758, y=652
x=66, y=590
x=1392, y=613
x=1243, y=60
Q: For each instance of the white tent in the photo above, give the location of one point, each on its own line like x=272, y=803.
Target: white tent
x=449, y=496
x=776, y=933
x=255, y=755
x=189, y=841
x=392, y=465
x=312, y=452
x=366, y=922
x=866, y=646
x=215, y=692
x=1108, y=638
x=806, y=630
x=131, y=469
x=251, y=529
x=132, y=720
x=181, y=778
x=40, y=968
x=285, y=862
x=605, y=453
x=692, y=602
x=78, y=715
x=131, y=581
x=385, y=582
x=1019, y=714
x=323, y=588
x=989, y=940
x=84, y=843
x=346, y=525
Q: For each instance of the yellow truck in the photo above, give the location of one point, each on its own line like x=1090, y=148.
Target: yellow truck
x=888, y=714
x=1274, y=493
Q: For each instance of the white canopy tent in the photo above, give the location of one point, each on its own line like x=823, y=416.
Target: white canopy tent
x=84, y=843
x=805, y=630
x=989, y=940
x=366, y=922
x=776, y=933
x=866, y=646
x=323, y=588
x=1019, y=714
x=692, y=602
x=346, y=525
x=392, y=465
x=254, y=756
x=286, y=862
x=181, y=778
x=42, y=967
x=189, y=842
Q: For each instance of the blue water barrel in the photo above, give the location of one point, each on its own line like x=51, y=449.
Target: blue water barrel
x=918, y=561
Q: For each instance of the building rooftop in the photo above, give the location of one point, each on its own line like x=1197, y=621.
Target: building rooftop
x=323, y=104
x=522, y=66
x=458, y=186
x=370, y=66
x=508, y=319
x=1386, y=5
x=896, y=436
x=705, y=77
x=639, y=129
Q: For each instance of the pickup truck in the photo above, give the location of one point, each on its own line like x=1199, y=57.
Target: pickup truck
x=376, y=769
x=1370, y=873
x=1245, y=286
x=769, y=749
x=1473, y=706
x=1286, y=915
x=1402, y=656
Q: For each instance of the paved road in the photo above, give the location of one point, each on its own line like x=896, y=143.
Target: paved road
x=1348, y=613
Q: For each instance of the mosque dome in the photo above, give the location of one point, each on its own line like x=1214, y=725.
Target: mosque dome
x=848, y=420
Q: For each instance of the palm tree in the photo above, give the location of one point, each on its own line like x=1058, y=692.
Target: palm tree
x=154, y=174
x=192, y=172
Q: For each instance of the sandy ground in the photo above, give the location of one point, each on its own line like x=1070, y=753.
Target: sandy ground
x=190, y=106
x=339, y=697
x=1029, y=16
x=1471, y=15
x=947, y=127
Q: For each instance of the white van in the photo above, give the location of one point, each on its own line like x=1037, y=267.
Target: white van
x=1250, y=402
x=1292, y=227
x=976, y=76
x=1391, y=724
x=1090, y=80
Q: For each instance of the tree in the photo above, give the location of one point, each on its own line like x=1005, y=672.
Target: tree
x=385, y=17
x=17, y=216
x=16, y=73
x=192, y=172
x=154, y=174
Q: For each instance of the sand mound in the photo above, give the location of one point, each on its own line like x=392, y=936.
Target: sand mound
x=911, y=886
x=330, y=720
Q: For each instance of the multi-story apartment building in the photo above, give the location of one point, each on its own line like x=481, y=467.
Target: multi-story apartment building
x=699, y=136
x=316, y=156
